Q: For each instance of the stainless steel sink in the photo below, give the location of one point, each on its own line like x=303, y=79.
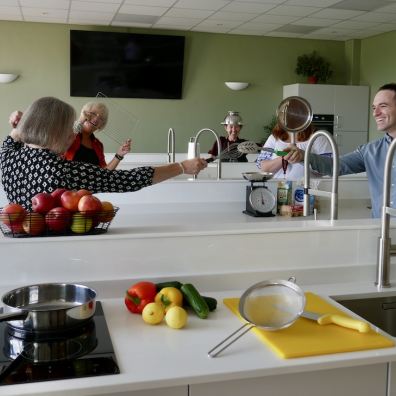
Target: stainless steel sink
x=377, y=308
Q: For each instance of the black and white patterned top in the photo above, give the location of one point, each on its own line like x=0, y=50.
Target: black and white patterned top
x=26, y=171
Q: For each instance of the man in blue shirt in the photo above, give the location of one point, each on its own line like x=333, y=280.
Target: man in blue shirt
x=369, y=157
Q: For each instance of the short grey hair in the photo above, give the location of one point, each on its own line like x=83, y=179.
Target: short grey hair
x=96, y=107
x=48, y=123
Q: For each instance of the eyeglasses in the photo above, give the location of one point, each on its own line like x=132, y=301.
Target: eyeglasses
x=91, y=115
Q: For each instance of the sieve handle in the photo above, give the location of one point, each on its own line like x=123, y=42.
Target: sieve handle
x=231, y=339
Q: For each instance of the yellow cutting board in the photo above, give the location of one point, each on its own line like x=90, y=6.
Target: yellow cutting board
x=307, y=338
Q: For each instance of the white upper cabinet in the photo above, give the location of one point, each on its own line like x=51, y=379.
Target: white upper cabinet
x=351, y=106
x=348, y=103
x=320, y=97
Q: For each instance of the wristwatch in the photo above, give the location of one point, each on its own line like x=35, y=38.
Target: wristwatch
x=119, y=157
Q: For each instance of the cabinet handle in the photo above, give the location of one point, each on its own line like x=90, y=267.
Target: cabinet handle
x=337, y=122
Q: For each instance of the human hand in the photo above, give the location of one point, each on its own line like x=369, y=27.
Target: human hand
x=194, y=166
x=295, y=155
x=125, y=148
x=14, y=118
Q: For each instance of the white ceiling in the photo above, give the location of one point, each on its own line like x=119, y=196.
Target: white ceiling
x=311, y=19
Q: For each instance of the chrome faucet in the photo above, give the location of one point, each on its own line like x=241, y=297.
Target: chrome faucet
x=307, y=175
x=171, y=145
x=218, y=149
x=385, y=249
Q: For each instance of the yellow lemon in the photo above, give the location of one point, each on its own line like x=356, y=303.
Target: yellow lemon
x=153, y=313
x=176, y=317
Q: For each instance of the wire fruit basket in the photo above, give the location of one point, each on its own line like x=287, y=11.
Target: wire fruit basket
x=58, y=223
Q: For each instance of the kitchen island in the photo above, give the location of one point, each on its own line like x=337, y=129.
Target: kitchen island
x=212, y=244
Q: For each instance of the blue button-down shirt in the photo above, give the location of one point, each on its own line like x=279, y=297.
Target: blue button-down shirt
x=369, y=158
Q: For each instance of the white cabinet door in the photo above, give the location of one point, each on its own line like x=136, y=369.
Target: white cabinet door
x=363, y=381
x=348, y=141
x=319, y=96
x=348, y=103
x=351, y=108
x=175, y=391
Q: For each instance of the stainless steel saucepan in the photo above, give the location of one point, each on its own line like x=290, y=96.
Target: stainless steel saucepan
x=48, y=307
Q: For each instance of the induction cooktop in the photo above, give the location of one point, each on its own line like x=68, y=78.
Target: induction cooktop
x=83, y=352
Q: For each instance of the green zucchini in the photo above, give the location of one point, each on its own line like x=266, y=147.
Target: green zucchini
x=212, y=303
x=162, y=285
x=195, y=300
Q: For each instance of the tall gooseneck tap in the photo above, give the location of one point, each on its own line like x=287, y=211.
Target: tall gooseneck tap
x=171, y=145
x=384, y=241
x=307, y=174
x=218, y=149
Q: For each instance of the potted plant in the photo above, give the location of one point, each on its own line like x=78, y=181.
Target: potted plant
x=313, y=66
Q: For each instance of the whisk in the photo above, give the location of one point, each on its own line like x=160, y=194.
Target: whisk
x=77, y=128
x=231, y=152
x=250, y=147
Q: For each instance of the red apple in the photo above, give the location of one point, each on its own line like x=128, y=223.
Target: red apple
x=58, y=219
x=43, y=202
x=89, y=205
x=12, y=214
x=16, y=228
x=69, y=200
x=107, y=212
x=34, y=224
x=57, y=194
x=83, y=192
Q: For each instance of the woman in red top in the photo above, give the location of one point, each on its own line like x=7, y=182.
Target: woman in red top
x=88, y=148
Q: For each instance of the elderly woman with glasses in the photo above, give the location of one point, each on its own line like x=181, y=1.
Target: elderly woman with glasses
x=86, y=146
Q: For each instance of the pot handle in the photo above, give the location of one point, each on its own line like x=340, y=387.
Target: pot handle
x=13, y=316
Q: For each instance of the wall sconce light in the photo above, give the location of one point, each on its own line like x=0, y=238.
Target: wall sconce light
x=236, y=86
x=8, y=77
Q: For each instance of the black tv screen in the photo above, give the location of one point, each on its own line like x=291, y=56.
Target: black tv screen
x=126, y=65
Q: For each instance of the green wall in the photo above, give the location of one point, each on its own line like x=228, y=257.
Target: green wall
x=378, y=66
x=40, y=54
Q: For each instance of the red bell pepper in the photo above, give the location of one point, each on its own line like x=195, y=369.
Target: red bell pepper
x=139, y=295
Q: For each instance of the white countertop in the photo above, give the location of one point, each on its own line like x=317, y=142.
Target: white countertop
x=221, y=249
x=157, y=356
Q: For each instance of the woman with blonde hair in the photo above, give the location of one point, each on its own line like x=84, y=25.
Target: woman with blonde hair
x=86, y=147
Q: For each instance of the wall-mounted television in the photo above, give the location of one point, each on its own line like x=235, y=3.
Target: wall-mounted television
x=126, y=65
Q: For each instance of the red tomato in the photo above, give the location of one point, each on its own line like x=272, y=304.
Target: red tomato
x=139, y=295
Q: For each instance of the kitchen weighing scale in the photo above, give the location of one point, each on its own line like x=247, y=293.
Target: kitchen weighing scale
x=260, y=202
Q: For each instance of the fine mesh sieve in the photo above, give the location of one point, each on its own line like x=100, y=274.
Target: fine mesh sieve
x=270, y=305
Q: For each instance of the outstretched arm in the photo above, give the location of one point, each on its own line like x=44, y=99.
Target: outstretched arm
x=189, y=167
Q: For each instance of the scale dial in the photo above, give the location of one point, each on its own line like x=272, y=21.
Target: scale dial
x=262, y=200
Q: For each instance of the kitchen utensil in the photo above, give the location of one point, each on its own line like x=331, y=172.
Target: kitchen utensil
x=49, y=307
x=231, y=152
x=257, y=176
x=259, y=304
x=306, y=338
x=294, y=114
x=250, y=147
x=122, y=123
x=339, y=320
x=54, y=349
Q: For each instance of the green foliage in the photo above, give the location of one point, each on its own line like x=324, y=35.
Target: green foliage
x=313, y=65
